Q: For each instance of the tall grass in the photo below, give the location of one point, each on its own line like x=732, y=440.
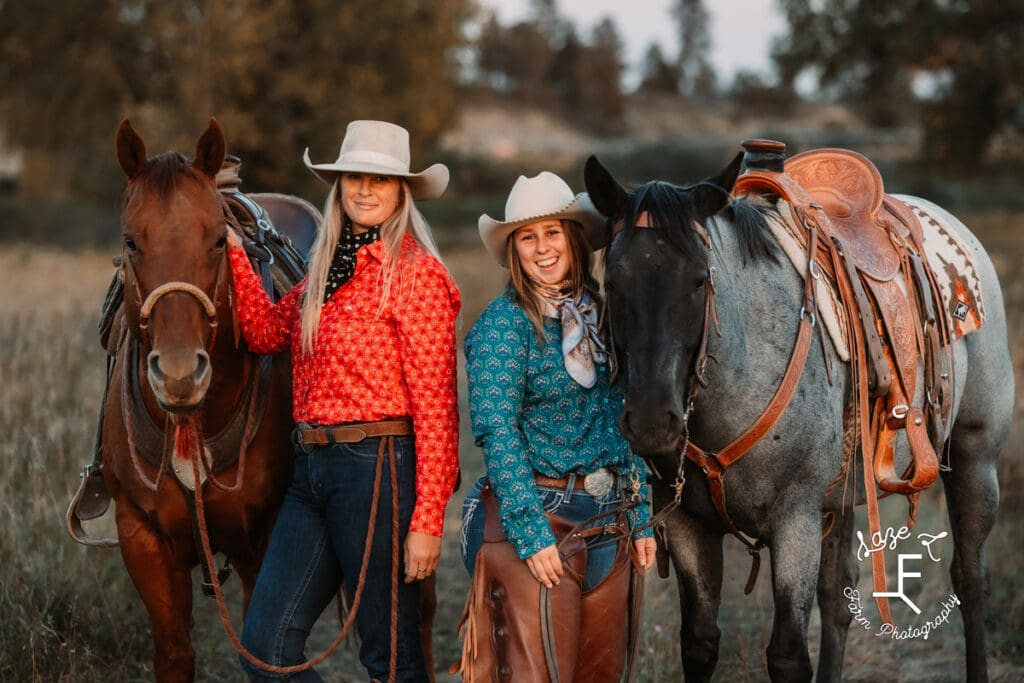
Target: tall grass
x=70, y=613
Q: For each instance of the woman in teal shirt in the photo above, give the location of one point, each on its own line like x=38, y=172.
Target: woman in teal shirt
x=540, y=403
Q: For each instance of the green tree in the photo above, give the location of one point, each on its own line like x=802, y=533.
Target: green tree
x=548, y=22
x=953, y=64
x=697, y=77
x=514, y=60
x=657, y=75
x=586, y=79
x=279, y=74
x=749, y=91
x=600, y=75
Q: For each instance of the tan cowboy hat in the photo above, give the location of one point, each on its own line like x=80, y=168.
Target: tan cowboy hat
x=382, y=148
x=543, y=196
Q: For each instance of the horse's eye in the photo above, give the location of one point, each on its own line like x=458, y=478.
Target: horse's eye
x=221, y=241
x=130, y=244
x=700, y=284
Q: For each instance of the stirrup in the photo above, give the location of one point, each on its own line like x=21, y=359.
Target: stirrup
x=93, y=497
x=90, y=501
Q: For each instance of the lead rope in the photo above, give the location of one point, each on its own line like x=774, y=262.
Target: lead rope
x=296, y=668
x=393, y=471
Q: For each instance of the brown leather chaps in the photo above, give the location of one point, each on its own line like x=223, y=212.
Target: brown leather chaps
x=515, y=629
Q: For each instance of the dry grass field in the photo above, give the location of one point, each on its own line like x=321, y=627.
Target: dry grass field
x=70, y=613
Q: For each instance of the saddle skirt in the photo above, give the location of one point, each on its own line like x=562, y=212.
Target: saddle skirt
x=948, y=256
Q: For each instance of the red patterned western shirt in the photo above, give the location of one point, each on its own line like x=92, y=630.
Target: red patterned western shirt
x=366, y=367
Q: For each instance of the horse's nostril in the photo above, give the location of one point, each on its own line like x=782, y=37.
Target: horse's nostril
x=202, y=364
x=154, y=366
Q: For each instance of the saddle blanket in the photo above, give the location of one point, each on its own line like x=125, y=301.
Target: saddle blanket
x=949, y=258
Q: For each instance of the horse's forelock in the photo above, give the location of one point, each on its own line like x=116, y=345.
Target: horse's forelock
x=669, y=209
x=160, y=177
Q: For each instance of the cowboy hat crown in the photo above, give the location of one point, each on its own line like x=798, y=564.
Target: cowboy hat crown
x=382, y=148
x=544, y=196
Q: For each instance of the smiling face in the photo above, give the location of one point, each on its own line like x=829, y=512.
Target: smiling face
x=543, y=250
x=368, y=200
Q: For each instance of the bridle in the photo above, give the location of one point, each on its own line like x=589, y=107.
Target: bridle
x=715, y=463
x=697, y=379
x=208, y=305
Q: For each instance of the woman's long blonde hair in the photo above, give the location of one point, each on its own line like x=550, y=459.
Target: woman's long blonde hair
x=405, y=218
x=525, y=294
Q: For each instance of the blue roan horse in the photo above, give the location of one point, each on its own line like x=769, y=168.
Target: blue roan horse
x=655, y=281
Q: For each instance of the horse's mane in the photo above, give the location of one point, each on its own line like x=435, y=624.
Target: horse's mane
x=670, y=208
x=160, y=176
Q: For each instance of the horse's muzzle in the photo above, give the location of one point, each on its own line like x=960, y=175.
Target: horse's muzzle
x=179, y=380
x=651, y=432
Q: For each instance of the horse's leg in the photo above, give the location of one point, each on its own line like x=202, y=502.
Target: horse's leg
x=166, y=591
x=982, y=425
x=697, y=557
x=972, y=498
x=247, y=571
x=795, y=553
x=838, y=572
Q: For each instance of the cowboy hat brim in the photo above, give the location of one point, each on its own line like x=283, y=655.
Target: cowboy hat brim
x=427, y=184
x=495, y=233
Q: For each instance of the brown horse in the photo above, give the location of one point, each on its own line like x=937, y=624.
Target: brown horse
x=177, y=379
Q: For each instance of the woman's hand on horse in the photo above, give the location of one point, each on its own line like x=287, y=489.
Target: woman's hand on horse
x=645, y=550
x=422, y=553
x=546, y=566
x=233, y=239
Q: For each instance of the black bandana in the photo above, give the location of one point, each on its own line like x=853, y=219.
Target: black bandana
x=343, y=265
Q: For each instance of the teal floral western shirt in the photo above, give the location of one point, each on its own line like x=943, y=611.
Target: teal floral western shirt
x=529, y=415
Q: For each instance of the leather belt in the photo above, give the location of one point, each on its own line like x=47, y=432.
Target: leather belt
x=598, y=483
x=557, y=483
x=322, y=435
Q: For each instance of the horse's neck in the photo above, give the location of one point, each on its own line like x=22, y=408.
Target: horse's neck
x=758, y=305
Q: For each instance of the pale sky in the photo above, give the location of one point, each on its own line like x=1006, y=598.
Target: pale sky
x=741, y=30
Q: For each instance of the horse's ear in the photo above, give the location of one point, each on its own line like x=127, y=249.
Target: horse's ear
x=608, y=196
x=713, y=194
x=210, y=149
x=131, y=150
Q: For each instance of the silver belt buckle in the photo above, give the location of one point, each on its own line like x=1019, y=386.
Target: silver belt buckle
x=599, y=482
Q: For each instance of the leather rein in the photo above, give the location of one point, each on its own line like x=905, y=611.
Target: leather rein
x=715, y=463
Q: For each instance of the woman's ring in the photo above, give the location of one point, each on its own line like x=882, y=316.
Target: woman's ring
x=420, y=570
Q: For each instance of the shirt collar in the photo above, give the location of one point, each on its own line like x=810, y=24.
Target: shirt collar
x=378, y=251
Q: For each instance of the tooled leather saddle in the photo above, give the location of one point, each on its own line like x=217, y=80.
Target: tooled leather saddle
x=898, y=331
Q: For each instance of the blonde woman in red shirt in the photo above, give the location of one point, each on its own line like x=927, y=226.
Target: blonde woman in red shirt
x=372, y=336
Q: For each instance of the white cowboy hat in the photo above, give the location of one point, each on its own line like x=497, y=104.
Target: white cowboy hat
x=381, y=148
x=532, y=199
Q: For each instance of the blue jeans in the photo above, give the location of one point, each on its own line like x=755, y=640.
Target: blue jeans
x=573, y=504
x=318, y=543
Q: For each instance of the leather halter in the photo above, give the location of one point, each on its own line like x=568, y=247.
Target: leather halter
x=131, y=392
x=167, y=288
x=146, y=309
x=715, y=463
